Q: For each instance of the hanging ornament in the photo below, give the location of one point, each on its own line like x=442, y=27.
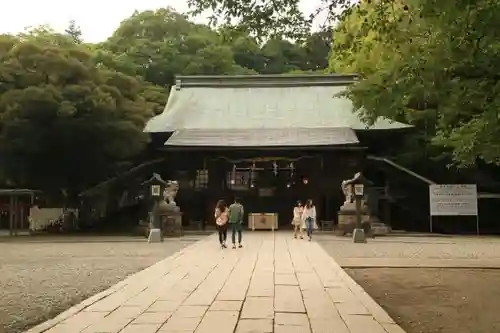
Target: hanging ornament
x=252, y=174
x=233, y=175
x=275, y=168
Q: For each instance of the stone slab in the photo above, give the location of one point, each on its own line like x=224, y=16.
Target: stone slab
x=258, y=308
x=178, y=323
x=218, y=321
x=291, y=319
x=254, y=326
x=288, y=299
x=226, y=306
x=286, y=279
x=141, y=328
x=152, y=318
x=291, y=329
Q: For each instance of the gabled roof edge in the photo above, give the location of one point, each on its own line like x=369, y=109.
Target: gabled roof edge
x=281, y=80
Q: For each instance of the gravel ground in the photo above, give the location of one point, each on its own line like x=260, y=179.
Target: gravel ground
x=430, y=300
x=436, y=300
x=41, y=278
x=392, y=249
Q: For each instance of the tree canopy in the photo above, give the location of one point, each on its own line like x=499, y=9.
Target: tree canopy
x=438, y=72
x=65, y=119
x=72, y=113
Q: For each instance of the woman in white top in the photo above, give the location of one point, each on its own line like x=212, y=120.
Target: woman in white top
x=309, y=217
x=297, y=220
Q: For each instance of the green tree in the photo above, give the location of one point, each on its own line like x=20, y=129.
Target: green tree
x=74, y=32
x=282, y=56
x=317, y=47
x=416, y=72
x=163, y=43
x=268, y=18
x=66, y=121
x=247, y=52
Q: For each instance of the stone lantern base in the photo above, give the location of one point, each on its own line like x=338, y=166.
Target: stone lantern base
x=171, y=219
x=172, y=226
x=371, y=225
x=155, y=236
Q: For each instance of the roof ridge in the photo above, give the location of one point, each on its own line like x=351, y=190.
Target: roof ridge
x=267, y=128
x=278, y=80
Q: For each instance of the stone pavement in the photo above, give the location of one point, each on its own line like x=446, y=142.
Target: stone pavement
x=273, y=284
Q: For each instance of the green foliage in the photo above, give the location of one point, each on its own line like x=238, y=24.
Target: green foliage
x=163, y=43
x=260, y=18
x=74, y=32
x=65, y=123
x=436, y=69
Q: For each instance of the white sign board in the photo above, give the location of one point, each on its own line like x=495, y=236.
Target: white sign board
x=453, y=200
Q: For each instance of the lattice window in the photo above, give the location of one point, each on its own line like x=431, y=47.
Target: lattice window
x=201, y=180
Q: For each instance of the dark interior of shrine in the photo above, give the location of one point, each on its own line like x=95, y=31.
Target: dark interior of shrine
x=269, y=181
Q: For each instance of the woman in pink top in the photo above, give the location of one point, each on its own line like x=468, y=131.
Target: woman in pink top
x=221, y=218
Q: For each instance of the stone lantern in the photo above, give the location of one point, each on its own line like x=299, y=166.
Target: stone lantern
x=155, y=186
x=354, y=212
x=358, y=189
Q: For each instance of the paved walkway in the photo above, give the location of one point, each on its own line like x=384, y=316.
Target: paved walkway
x=274, y=284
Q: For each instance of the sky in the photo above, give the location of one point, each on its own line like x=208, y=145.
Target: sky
x=96, y=18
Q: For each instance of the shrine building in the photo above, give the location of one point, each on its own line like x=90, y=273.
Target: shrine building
x=268, y=139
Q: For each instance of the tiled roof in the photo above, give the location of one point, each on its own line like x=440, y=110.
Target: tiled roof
x=263, y=137
x=260, y=102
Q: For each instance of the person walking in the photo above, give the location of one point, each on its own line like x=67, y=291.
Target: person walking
x=236, y=214
x=309, y=217
x=221, y=219
x=297, y=220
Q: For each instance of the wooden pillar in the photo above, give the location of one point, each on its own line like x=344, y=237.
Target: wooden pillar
x=21, y=216
x=213, y=192
x=11, y=215
x=387, y=204
x=16, y=215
